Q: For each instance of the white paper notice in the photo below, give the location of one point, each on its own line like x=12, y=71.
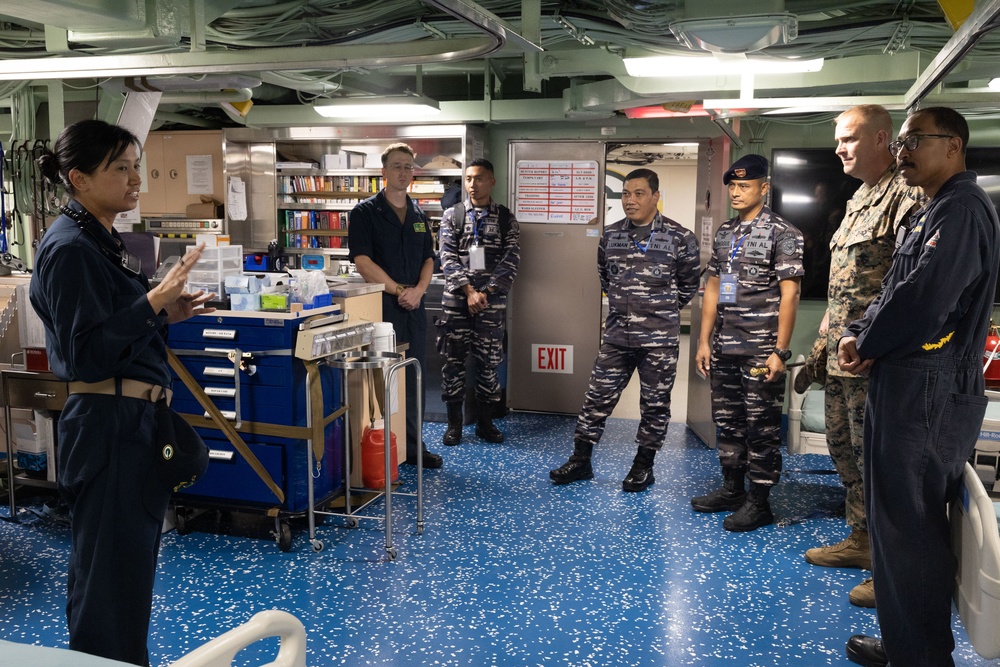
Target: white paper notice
x=199, y=175
x=707, y=222
x=236, y=199
x=557, y=191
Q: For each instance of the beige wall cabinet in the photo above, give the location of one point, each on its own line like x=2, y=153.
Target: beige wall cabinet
x=179, y=167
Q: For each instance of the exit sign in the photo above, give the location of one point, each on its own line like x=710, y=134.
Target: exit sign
x=552, y=359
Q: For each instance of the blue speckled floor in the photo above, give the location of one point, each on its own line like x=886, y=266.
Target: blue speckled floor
x=509, y=571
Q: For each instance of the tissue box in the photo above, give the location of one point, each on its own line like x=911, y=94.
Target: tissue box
x=244, y=301
x=274, y=302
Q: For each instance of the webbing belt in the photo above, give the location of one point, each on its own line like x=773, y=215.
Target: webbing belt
x=223, y=424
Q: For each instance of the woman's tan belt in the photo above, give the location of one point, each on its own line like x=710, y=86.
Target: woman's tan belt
x=130, y=388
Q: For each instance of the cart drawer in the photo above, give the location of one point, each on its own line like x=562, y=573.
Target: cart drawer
x=37, y=394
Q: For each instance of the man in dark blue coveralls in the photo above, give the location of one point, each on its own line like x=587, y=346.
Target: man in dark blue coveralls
x=922, y=341
x=390, y=243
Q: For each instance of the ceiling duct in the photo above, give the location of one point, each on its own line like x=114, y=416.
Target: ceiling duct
x=721, y=26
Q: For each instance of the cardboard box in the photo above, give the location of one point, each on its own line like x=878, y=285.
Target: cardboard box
x=205, y=210
x=344, y=160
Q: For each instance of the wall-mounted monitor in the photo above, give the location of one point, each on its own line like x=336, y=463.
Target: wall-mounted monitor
x=810, y=189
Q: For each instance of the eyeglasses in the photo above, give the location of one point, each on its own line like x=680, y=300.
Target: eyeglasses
x=913, y=140
x=401, y=167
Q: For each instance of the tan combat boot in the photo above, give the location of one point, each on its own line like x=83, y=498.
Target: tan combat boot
x=853, y=551
x=863, y=595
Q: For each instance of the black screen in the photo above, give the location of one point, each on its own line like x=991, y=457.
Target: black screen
x=810, y=190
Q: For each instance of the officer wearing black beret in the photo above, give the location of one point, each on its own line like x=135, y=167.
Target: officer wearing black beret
x=748, y=168
x=751, y=298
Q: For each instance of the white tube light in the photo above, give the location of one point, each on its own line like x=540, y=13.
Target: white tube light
x=381, y=108
x=994, y=84
x=673, y=66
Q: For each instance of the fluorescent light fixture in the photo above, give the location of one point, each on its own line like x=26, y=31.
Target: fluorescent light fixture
x=994, y=84
x=402, y=108
x=736, y=34
x=673, y=66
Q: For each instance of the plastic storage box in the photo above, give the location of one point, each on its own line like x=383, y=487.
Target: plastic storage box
x=986, y=457
x=976, y=541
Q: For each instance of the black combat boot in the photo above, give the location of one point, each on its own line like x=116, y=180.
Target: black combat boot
x=730, y=496
x=484, y=423
x=641, y=475
x=577, y=468
x=754, y=513
x=453, y=434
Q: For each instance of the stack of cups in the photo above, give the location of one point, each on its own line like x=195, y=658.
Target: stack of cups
x=383, y=338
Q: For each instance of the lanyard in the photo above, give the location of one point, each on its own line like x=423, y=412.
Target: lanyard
x=652, y=232
x=734, y=248
x=476, y=222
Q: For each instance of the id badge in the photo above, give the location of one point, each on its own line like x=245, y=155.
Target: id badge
x=727, y=288
x=477, y=258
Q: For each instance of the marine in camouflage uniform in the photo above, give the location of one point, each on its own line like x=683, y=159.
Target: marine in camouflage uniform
x=492, y=228
x=649, y=271
x=860, y=256
x=749, y=312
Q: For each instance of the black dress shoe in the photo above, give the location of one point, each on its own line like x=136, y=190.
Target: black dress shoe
x=866, y=651
x=431, y=460
x=639, y=478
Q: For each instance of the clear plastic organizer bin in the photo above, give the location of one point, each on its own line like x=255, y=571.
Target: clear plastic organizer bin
x=221, y=260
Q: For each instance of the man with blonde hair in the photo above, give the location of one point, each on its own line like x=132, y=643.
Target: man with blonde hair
x=860, y=256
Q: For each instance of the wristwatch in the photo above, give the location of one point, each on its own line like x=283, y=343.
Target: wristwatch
x=399, y=289
x=784, y=355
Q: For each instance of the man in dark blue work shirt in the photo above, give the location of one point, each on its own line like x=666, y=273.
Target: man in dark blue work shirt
x=390, y=243
x=922, y=341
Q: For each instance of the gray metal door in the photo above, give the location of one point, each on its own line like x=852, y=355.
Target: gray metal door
x=713, y=160
x=555, y=308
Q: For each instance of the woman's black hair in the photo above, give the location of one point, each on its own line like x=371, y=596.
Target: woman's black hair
x=85, y=146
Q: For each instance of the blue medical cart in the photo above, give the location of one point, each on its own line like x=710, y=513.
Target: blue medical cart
x=244, y=362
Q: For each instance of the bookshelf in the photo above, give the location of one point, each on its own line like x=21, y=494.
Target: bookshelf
x=306, y=208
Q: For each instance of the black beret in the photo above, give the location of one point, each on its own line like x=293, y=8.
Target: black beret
x=747, y=168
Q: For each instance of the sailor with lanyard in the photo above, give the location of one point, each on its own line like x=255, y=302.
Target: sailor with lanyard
x=748, y=313
x=480, y=251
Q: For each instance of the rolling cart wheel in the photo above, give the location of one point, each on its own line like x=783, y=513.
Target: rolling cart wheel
x=391, y=553
x=181, y=522
x=317, y=545
x=352, y=522
x=420, y=528
x=285, y=537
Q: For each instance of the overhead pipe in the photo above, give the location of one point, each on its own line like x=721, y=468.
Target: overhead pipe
x=207, y=96
x=982, y=20
x=496, y=32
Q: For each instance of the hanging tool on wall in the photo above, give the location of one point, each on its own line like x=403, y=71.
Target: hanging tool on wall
x=3, y=204
x=38, y=193
x=18, y=160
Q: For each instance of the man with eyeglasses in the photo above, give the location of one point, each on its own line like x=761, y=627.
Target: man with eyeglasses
x=860, y=256
x=922, y=341
x=390, y=242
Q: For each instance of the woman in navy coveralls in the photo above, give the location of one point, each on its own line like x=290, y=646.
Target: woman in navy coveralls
x=104, y=325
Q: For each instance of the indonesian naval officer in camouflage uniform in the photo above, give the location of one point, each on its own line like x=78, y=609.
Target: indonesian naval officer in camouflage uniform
x=748, y=313
x=479, y=252
x=648, y=265
x=860, y=257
